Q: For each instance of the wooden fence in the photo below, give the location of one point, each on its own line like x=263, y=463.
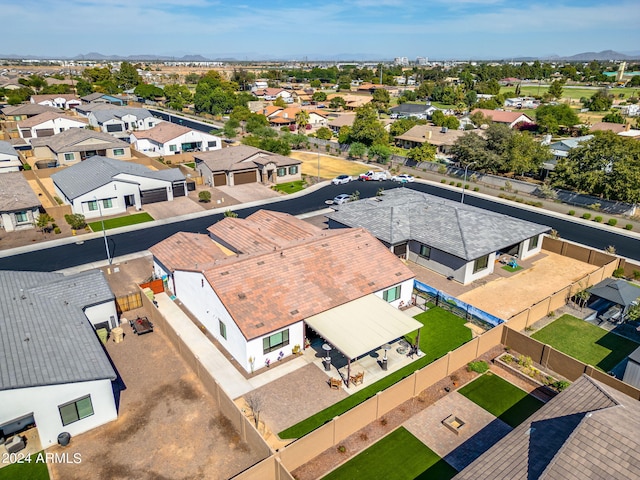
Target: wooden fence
x=128, y=302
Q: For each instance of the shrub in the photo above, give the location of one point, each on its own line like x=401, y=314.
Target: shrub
x=76, y=221
x=58, y=200
x=478, y=367
x=525, y=362
x=459, y=184
x=560, y=385
x=26, y=166
x=383, y=421
x=342, y=448
x=204, y=196
x=572, y=212
x=442, y=169
x=476, y=189
x=636, y=274
x=507, y=358
x=595, y=206
x=466, y=185
x=612, y=222
x=231, y=214
x=618, y=273
x=452, y=182
x=586, y=216
x=598, y=219
x=610, y=250
x=628, y=226
x=551, y=314
x=508, y=186
x=444, y=180
x=56, y=230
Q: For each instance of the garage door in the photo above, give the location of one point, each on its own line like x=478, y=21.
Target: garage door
x=219, y=179
x=45, y=132
x=152, y=196
x=244, y=177
x=178, y=189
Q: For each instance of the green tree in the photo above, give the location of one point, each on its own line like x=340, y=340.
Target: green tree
x=127, y=77
x=83, y=87
x=550, y=117
x=302, y=119
x=437, y=118
x=425, y=153
x=366, y=128
x=256, y=121
x=319, y=97
x=315, y=83
x=381, y=99
x=337, y=103
x=471, y=148
x=600, y=101
x=613, y=117
x=204, y=196
x=403, y=125
x=43, y=221
x=524, y=154
x=381, y=153
x=148, y=92
x=324, y=133
x=191, y=78
x=555, y=89
x=229, y=130
x=344, y=134
x=357, y=150
x=279, y=102
x=177, y=96
x=451, y=122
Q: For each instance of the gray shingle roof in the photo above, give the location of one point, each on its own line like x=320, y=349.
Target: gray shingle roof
x=617, y=290
x=587, y=431
x=97, y=171
x=45, y=338
x=104, y=114
x=15, y=193
x=241, y=157
x=69, y=140
x=461, y=230
x=7, y=149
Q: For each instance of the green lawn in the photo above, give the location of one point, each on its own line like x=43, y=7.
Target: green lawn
x=444, y=332
x=571, y=93
x=121, y=221
x=511, y=269
x=502, y=399
x=586, y=342
x=290, y=187
x=34, y=470
x=190, y=164
x=398, y=456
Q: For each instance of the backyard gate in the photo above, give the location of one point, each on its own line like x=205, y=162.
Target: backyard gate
x=128, y=302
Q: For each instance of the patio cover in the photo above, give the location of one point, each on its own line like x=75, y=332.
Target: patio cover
x=618, y=291
x=362, y=325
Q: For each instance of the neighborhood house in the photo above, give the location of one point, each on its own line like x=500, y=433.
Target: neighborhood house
x=170, y=139
x=19, y=206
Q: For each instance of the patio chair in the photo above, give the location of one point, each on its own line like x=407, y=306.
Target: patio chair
x=335, y=383
x=357, y=379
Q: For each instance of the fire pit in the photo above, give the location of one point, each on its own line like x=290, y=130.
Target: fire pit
x=454, y=424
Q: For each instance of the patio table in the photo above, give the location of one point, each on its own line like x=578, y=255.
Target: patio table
x=141, y=325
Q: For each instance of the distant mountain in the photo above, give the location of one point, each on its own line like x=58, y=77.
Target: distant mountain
x=600, y=56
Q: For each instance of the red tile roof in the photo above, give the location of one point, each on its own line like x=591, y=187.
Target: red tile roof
x=162, y=132
x=502, y=116
x=187, y=251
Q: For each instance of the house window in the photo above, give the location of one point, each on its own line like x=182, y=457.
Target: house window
x=76, y=410
x=68, y=157
x=93, y=205
x=21, y=217
x=275, y=341
x=533, y=242
x=118, y=152
x=223, y=329
x=107, y=203
x=425, y=252
x=212, y=144
x=481, y=263
x=173, y=148
x=391, y=294
x=293, y=170
x=282, y=172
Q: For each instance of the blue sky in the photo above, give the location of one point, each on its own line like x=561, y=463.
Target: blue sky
x=438, y=29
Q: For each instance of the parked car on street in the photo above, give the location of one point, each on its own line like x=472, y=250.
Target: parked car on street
x=373, y=176
x=342, y=198
x=403, y=178
x=340, y=179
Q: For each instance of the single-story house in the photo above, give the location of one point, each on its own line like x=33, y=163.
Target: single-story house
x=614, y=292
x=561, y=148
x=104, y=186
x=440, y=137
x=77, y=144
x=54, y=372
x=422, y=111
x=454, y=239
x=60, y=100
x=589, y=430
x=19, y=205
x=616, y=128
x=245, y=164
x=262, y=286
x=271, y=93
x=521, y=102
x=26, y=110
x=97, y=97
x=121, y=121
x=502, y=116
x=9, y=158
x=279, y=116
x=48, y=124
x=342, y=120
x=170, y=139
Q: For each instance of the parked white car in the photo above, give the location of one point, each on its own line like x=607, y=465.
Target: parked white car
x=403, y=178
x=341, y=179
x=342, y=198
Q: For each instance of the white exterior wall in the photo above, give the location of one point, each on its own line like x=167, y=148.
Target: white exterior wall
x=57, y=124
x=8, y=220
x=43, y=403
x=255, y=347
x=116, y=191
x=104, y=312
x=191, y=137
x=9, y=163
x=406, y=289
x=469, y=276
x=147, y=183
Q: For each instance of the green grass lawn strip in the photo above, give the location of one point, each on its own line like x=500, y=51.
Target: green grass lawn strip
x=121, y=221
x=290, y=187
x=36, y=469
x=586, y=342
x=398, y=456
x=511, y=269
x=502, y=399
x=443, y=332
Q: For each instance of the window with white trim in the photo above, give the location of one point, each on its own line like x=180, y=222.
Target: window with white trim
x=275, y=341
x=107, y=203
x=392, y=294
x=481, y=263
x=223, y=329
x=21, y=217
x=293, y=170
x=77, y=410
x=68, y=157
x=282, y=172
x=173, y=148
x=118, y=152
x=533, y=242
x=92, y=205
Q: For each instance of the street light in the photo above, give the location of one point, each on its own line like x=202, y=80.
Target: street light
x=464, y=183
x=104, y=232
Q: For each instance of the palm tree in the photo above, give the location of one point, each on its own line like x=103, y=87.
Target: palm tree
x=302, y=119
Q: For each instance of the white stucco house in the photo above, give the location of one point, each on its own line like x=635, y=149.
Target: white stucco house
x=19, y=205
x=54, y=372
x=48, y=124
x=454, y=239
x=511, y=119
x=121, y=121
x=101, y=186
x=9, y=158
x=169, y=139
x=264, y=284
x=65, y=101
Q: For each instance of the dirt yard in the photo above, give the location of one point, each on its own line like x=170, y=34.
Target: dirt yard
x=330, y=166
x=168, y=426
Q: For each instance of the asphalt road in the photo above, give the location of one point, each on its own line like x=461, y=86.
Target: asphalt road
x=71, y=255
x=185, y=121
